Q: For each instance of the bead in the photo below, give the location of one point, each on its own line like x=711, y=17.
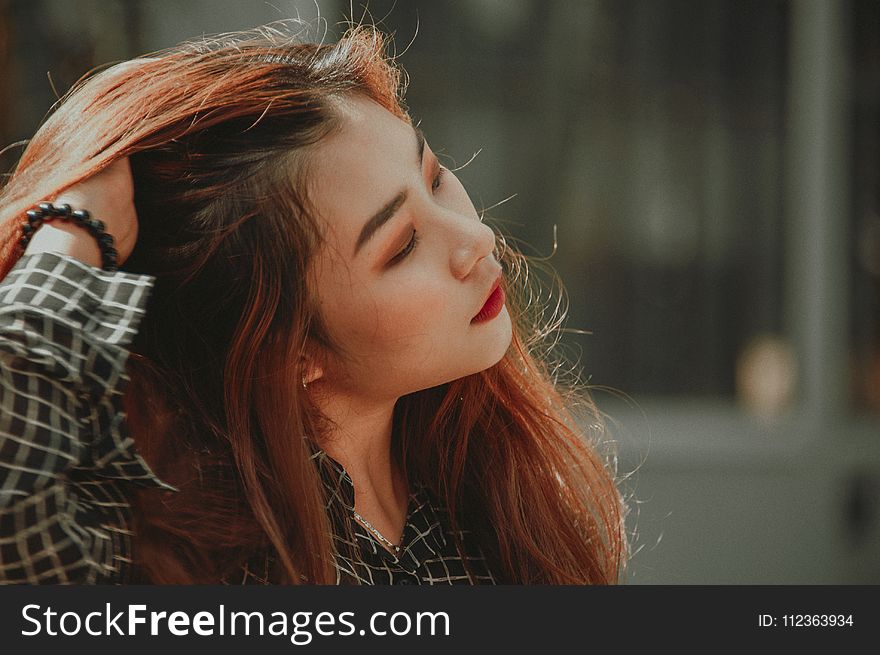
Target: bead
x=46, y=212
x=80, y=216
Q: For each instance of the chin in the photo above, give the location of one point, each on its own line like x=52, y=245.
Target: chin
x=497, y=341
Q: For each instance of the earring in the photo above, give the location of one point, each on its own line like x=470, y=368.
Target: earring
x=305, y=386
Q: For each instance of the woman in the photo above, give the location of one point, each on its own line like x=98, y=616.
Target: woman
x=308, y=368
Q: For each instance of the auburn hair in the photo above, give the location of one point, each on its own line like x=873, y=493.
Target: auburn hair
x=219, y=132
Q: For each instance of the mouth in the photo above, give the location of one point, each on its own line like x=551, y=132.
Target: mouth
x=492, y=307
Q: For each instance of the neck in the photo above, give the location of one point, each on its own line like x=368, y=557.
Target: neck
x=360, y=440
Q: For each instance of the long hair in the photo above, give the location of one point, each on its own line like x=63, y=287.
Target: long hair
x=219, y=133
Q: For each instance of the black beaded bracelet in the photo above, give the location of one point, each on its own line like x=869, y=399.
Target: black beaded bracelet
x=46, y=212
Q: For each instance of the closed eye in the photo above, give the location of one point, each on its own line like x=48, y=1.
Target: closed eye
x=403, y=254
x=438, y=179
x=407, y=250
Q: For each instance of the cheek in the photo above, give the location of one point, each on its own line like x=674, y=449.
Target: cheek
x=400, y=320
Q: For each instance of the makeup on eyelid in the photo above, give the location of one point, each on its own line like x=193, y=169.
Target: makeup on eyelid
x=410, y=246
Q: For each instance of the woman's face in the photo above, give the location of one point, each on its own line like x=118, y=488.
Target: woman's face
x=407, y=263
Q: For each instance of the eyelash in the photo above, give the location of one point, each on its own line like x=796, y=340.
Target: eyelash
x=413, y=242
x=438, y=179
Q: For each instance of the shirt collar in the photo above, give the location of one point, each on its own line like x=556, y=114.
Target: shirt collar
x=337, y=482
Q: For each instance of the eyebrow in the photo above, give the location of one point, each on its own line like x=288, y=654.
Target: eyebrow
x=387, y=212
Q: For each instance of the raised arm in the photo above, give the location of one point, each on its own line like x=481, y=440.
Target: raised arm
x=66, y=460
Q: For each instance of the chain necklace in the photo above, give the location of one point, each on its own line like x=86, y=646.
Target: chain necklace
x=378, y=534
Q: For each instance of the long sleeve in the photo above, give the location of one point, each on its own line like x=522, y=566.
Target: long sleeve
x=66, y=459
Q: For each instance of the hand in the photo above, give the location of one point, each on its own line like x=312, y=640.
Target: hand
x=109, y=197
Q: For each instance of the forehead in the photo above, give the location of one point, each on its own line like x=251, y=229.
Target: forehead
x=358, y=168
x=364, y=120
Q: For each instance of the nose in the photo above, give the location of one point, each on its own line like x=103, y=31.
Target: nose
x=473, y=241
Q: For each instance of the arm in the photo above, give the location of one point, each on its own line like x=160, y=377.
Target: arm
x=65, y=455
x=66, y=460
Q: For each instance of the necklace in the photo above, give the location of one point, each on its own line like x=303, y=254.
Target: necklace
x=369, y=526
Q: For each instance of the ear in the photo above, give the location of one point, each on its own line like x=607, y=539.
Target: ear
x=312, y=364
x=311, y=371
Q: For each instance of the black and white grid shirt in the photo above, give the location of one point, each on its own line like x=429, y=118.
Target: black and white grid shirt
x=67, y=462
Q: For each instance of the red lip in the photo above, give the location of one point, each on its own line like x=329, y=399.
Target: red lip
x=493, y=304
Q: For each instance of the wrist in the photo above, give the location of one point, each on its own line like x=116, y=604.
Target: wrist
x=66, y=239
x=76, y=233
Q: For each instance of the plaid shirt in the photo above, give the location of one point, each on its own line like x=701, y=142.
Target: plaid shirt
x=67, y=463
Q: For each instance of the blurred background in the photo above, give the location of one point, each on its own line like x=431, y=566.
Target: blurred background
x=706, y=177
